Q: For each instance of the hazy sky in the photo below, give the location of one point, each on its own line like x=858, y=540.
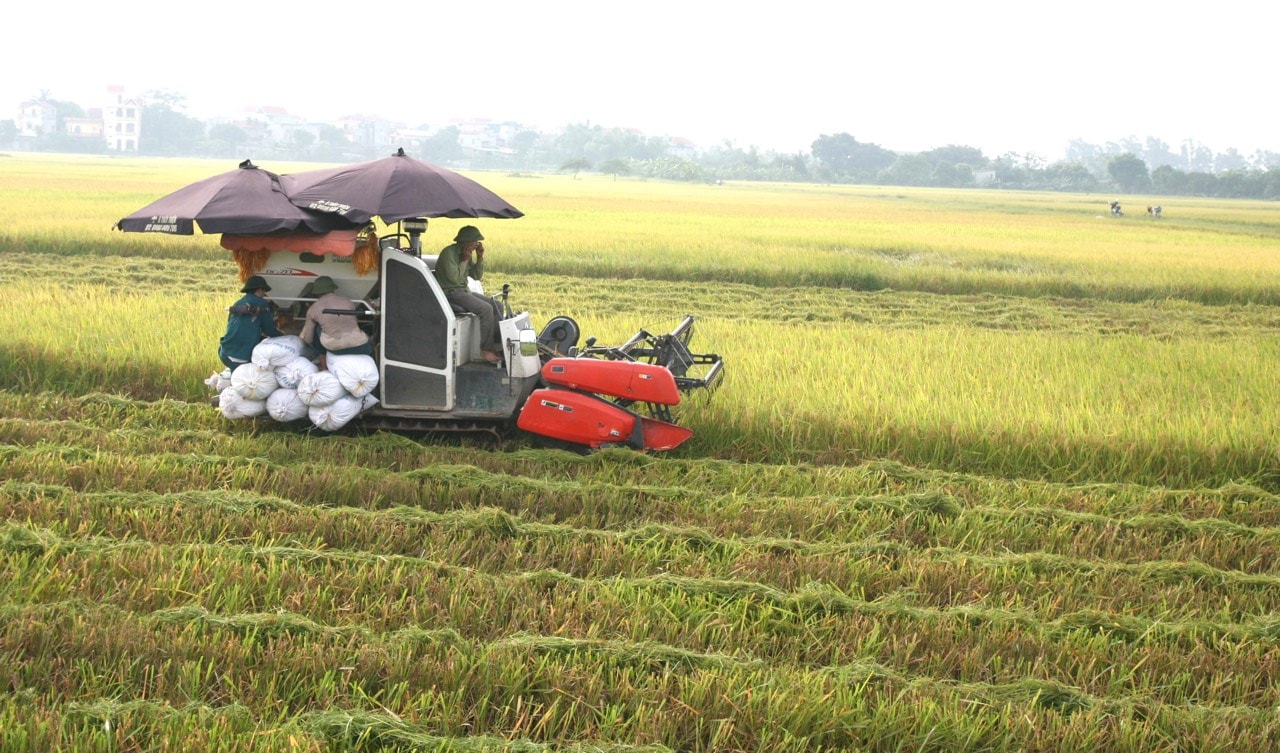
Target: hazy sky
x=1001, y=76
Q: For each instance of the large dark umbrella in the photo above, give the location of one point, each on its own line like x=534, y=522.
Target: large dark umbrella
x=394, y=188
x=245, y=201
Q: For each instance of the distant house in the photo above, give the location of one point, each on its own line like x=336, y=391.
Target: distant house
x=279, y=124
x=89, y=126
x=410, y=139
x=369, y=131
x=257, y=133
x=484, y=135
x=36, y=117
x=679, y=146
x=475, y=133
x=121, y=121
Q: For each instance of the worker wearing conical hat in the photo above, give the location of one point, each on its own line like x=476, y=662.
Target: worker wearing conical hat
x=339, y=334
x=248, y=321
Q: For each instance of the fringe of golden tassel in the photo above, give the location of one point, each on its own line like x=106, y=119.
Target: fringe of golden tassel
x=250, y=262
x=367, y=254
x=365, y=258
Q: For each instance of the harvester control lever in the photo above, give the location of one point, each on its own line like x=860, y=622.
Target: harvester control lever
x=506, y=312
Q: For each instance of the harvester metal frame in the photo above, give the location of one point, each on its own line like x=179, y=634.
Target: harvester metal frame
x=671, y=351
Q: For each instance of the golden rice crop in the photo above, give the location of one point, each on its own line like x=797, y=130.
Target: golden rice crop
x=987, y=472
x=851, y=236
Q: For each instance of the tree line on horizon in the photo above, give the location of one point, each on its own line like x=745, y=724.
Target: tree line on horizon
x=1129, y=165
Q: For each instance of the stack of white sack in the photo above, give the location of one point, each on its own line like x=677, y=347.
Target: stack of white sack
x=245, y=395
x=337, y=414
x=277, y=351
x=289, y=387
x=334, y=397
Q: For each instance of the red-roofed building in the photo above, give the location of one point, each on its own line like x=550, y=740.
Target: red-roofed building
x=681, y=147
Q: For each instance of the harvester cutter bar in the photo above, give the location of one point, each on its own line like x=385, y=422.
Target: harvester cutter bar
x=670, y=351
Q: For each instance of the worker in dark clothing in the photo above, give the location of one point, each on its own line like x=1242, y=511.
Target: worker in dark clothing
x=248, y=321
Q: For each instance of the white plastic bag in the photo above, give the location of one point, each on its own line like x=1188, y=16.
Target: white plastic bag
x=284, y=405
x=234, y=405
x=289, y=374
x=358, y=374
x=220, y=381
x=252, y=382
x=320, y=389
x=335, y=415
x=277, y=351
x=367, y=402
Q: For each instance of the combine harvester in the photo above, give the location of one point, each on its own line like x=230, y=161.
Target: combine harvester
x=430, y=373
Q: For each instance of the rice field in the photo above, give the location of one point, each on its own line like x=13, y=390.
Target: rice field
x=989, y=472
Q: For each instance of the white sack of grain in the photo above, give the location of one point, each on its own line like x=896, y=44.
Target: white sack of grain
x=358, y=374
x=367, y=402
x=252, y=382
x=320, y=389
x=292, y=372
x=220, y=381
x=234, y=405
x=277, y=351
x=335, y=415
x=284, y=405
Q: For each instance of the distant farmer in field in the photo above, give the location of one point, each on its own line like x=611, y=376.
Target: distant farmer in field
x=248, y=321
x=462, y=259
x=339, y=334
x=1115, y=209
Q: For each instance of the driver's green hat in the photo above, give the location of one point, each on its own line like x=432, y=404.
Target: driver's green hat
x=323, y=284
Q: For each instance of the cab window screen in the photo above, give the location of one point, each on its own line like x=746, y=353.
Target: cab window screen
x=416, y=325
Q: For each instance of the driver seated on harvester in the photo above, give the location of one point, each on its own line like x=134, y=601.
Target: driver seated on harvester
x=339, y=334
x=462, y=259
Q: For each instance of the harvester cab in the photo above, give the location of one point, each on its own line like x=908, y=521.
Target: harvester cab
x=431, y=376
